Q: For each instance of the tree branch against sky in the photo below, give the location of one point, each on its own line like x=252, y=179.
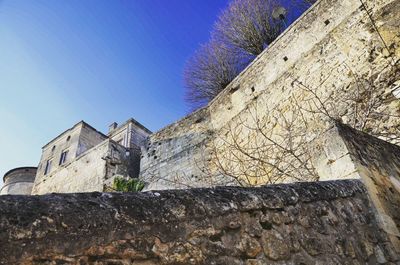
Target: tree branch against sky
x=242, y=31
x=209, y=71
x=248, y=25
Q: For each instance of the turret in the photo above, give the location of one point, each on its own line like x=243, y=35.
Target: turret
x=19, y=181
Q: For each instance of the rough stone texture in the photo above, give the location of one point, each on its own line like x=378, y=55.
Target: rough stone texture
x=174, y=156
x=305, y=223
x=86, y=173
x=19, y=181
x=130, y=134
x=93, y=158
x=338, y=49
x=345, y=153
x=76, y=140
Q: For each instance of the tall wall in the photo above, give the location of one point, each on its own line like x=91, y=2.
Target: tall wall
x=173, y=156
x=304, y=223
x=339, y=60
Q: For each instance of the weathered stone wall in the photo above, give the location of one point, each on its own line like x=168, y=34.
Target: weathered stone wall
x=19, y=181
x=88, y=138
x=173, y=157
x=345, y=153
x=76, y=140
x=339, y=60
x=307, y=223
x=88, y=172
x=53, y=149
x=130, y=134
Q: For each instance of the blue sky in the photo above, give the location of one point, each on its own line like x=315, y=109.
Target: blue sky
x=94, y=60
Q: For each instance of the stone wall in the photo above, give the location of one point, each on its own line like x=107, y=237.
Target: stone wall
x=88, y=138
x=130, y=134
x=304, y=223
x=76, y=140
x=88, y=172
x=339, y=60
x=173, y=157
x=53, y=149
x=345, y=153
x=19, y=181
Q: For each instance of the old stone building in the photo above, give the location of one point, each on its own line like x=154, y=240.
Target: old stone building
x=82, y=159
x=19, y=181
x=337, y=65
x=326, y=222
x=338, y=61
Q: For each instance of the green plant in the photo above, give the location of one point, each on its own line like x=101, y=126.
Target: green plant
x=127, y=185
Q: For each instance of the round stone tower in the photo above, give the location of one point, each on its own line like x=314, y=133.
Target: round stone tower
x=19, y=181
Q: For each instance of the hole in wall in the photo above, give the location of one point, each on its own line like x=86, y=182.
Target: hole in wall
x=235, y=88
x=266, y=225
x=327, y=22
x=253, y=89
x=285, y=58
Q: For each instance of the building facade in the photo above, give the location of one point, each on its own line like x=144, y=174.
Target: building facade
x=82, y=159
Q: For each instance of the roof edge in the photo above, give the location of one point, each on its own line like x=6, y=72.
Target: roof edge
x=16, y=169
x=69, y=129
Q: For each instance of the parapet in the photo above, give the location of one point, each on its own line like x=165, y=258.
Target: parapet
x=303, y=223
x=19, y=181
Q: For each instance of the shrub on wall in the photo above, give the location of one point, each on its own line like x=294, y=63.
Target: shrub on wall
x=127, y=185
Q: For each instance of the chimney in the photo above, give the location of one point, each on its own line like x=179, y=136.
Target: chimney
x=112, y=127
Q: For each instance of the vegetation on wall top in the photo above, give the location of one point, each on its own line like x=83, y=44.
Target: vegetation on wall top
x=242, y=31
x=128, y=185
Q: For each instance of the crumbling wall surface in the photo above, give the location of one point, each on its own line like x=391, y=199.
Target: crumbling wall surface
x=345, y=153
x=339, y=60
x=378, y=163
x=174, y=156
x=87, y=173
x=303, y=223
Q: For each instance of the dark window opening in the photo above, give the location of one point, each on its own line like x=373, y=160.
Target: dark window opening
x=48, y=166
x=235, y=88
x=63, y=157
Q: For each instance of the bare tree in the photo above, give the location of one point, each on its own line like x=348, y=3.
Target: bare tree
x=260, y=149
x=242, y=31
x=249, y=25
x=209, y=71
x=265, y=145
x=359, y=104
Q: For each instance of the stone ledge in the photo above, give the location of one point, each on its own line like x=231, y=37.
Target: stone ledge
x=301, y=222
